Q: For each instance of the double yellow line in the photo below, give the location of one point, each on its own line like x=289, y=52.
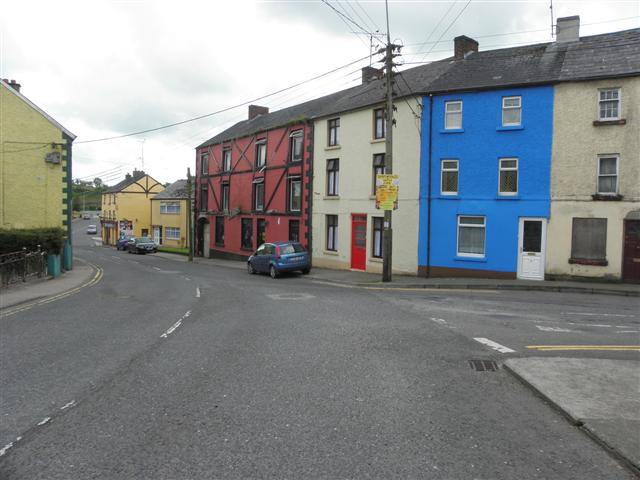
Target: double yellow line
x=21, y=308
x=610, y=348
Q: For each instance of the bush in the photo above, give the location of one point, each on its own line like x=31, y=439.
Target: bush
x=50, y=240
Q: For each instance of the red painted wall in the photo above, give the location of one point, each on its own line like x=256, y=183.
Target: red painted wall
x=241, y=183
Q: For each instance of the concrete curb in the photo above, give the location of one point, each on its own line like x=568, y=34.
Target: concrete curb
x=577, y=422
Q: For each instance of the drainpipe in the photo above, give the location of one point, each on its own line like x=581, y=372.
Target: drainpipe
x=429, y=187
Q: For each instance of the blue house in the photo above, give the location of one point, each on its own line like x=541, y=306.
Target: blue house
x=485, y=166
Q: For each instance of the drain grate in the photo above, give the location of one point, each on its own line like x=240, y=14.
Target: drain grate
x=484, y=365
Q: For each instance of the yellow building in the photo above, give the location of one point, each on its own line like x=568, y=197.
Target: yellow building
x=126, y=207
x=169, y=215
x=35, y=167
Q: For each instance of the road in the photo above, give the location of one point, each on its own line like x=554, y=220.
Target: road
x=167, y=369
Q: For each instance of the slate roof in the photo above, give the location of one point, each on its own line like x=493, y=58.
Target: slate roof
x=137, y=175
x=177, y=190
x=598, y=56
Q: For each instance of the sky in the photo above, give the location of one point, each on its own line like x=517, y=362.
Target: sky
x=106, y=69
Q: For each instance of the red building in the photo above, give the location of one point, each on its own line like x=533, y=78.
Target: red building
x=253, y=184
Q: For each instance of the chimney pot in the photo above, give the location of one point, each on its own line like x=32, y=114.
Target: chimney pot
x=463, y=46
x=12, y=83
x=568, y=29
x=370, y=73
x=255, y=110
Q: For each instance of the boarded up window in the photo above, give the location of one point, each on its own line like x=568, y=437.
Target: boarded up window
x=589, y=239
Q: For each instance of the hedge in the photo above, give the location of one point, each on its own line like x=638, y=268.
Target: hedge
x=50, y=240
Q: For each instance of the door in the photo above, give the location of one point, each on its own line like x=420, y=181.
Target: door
x=206, y=239
x=359, y=242
x=157, y=235
x=631, y=255
x=261, y=227
x=532, y=236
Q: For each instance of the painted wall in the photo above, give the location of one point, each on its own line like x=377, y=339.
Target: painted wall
x=174, y=220
x=355, y=153
x=478, y=146
x=33, y=192
x=576, y=146
x=275, y=177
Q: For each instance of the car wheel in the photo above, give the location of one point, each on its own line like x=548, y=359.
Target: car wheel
x=273, y=272
x=128, y=251
x=305, y=271
x=250, y=269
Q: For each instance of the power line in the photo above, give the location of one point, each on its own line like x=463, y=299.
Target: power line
x=438, y=24
x=450, y=25
x=346, y=17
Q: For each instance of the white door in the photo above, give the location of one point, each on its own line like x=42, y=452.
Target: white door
x=532, y=239
x=156, y=235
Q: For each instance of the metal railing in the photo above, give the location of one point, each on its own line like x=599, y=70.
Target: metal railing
x=19, y=266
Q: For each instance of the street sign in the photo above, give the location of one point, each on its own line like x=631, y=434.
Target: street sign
x=387, y=191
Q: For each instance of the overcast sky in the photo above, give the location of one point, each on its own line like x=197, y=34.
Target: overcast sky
x=109, y=68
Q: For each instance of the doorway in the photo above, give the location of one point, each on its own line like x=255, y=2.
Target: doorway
x=359, y=242
x=631, y=252
x=532, y=239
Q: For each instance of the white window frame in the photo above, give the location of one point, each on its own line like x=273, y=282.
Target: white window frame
x=261, y=153
x=293, y=180
x=379, y=134
x=617, y=174
x=204, y=163
x=170, y=233
x=508, y=169
x=600, y=100
x=506, y=108
x=443, y=170
x=333, y=126
x=447, y=113
x=295, y=137
x=224, y=196
x=226, y=160
x=333, y=178
x=170, y=208
x=471, y=225
x=258, y=184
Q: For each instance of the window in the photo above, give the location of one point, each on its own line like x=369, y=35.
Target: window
x=378, y=168
x=224, y=196
x=220, y=231
x=511, y=111
x=261, y=229
x=258, y=194
x=589, y=240
x=295, y=194
x=508, y=176
x=172, y=233
x=204, y=198
x=226, y=160
x=295, y=146
x=453, y=115
x=332, y=177
x=333, y=132
x=449, y=177
x=471, y=233
x=378, y=227
x=379, y=123
x=608, y=174
x=204, y=163
x=261, y=153
x=170, y=208
x=294, y=230
x=332, y=232
x=246, y=227
x=609, y=104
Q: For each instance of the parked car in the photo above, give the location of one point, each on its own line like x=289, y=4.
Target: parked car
x=141, y=245
x=122, y=243
x=86, y=216
x=277, y=257
x=92, y=229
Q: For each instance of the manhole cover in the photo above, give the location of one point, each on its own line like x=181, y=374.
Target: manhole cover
x=483, y=365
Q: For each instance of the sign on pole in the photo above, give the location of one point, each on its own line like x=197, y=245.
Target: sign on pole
x=387, y=191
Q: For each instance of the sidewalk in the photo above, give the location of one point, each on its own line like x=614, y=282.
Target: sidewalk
x=600, y=396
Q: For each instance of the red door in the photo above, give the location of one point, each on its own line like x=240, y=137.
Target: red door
x=631, y=255
x=359, y=242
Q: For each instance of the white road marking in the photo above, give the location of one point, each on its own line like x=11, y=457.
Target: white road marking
x=629, y=331
x=68, y=405
x=591, y=325
x=597, y=314
x=493, y=345
x=6, y=448
x=46, y=420
x=290, y=296
x=625, y=326
x=441, y=321
x=157, y=268
x=552, y=329
x=187, y=279
x=197, y=292
x=175, y=325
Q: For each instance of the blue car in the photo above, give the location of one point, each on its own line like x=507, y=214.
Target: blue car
x=122, y=243
x=277, y=257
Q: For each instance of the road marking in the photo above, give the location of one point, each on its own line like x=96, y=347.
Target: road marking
x=611, y=348
x=290, y=296
x=197, y=292
x=175, y=325
x=405, y=289
x=46, y=420
x=629, y=331
x=6, y=448
x=68, y=405
x=598, y=314
x=553, y=329
x=493, y=345
x=441, y=321
x=157, y=268
x=187, y=279
x=591, y=325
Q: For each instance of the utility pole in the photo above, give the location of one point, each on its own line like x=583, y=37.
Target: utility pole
x=189, y=228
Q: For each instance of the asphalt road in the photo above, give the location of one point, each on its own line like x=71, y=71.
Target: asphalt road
x=171, y=370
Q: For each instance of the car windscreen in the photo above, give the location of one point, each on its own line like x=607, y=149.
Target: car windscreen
x=143, y=240
x=291, y=248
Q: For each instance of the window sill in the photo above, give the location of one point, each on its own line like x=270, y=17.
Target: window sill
x=219, y=244
x=378, y=140
x=592, y=262
x=452, y=130
x=333, y=147
x=509, y=128
x=607, y=198
x=372, y=197
x=330, y=252
x=470, y=259
x=331, y=197
x=449, y=196
x=376, y=260
x=508, y=197
x=602, y=123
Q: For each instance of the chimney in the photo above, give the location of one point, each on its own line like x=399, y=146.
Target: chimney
x=568, y=29
x=12, y=83
x=370, y=73
x=463, y=46
x=255, y=110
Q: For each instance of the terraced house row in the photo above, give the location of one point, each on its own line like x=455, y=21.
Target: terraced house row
x=514, y=163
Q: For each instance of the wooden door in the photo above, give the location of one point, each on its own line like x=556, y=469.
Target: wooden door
x=631, y=253
x=359, y=242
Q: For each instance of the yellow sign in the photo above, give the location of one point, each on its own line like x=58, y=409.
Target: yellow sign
x=387, y=191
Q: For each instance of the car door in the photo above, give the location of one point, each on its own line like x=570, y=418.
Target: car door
x=259, y=258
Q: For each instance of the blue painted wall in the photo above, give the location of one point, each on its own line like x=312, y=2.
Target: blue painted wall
x=478, y=147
